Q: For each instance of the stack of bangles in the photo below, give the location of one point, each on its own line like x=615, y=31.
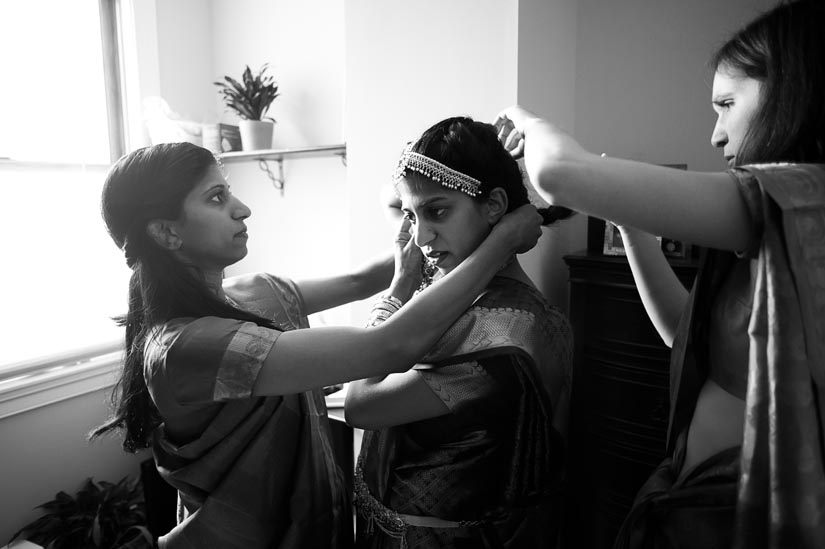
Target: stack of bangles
x=384, y=308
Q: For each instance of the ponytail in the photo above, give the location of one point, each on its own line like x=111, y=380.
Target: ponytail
x=551, y=214
x=133, y=407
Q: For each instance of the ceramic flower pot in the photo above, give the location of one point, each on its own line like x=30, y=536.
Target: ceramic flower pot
x=256, y=135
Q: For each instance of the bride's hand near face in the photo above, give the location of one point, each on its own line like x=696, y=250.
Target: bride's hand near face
x=408, y=261
x=517, y=232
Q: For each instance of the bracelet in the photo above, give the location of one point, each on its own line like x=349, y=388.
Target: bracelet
x=384, y=308
x=393, y=301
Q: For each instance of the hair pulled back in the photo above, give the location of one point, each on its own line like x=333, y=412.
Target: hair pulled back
x=147, y=184
x=785, y=50
x=473, y=148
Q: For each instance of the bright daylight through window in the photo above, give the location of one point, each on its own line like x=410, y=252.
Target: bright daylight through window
x=63, y=279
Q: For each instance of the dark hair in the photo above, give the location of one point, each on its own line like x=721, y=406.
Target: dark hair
x=473, y=148
x=785, y=50
x=152, y=183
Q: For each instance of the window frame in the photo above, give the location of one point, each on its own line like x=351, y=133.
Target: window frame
x=43, y=380
x=111, y=44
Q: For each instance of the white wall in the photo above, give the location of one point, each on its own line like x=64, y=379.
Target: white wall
x=547, y=86
x=44, y=451
x=642, y=86
x=186, y=58
x=303, y=43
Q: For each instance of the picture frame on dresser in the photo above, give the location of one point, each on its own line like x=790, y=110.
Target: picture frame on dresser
x=603, y=237
x=613, y=244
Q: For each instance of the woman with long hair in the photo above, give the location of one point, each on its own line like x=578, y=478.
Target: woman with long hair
x=745, y=465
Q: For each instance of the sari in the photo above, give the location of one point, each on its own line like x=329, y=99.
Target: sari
x=770, y=492
x=489, y=473
x=250, y=471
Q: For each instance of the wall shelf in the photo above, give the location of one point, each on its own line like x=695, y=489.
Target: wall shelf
x=280, y=154
x=264, y=156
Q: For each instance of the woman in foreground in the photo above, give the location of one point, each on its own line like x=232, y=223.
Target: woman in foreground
x=222, y=378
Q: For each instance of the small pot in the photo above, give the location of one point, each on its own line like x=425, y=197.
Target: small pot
x=256, y=135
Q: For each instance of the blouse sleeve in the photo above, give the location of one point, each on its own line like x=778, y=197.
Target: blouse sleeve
x=206, y=360
x=752, y=195
x=470, y=384
x=273, y=297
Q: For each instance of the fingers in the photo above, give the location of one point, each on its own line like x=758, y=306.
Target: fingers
x=404, y=242
x=404, y=237
x=518, y=151
x=509, y=136
x=505, y=128
x=408, y=256
x=515, y=143
x=404, y=226
x=500, y=121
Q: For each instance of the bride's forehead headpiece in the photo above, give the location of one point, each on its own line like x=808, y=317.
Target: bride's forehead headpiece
x=438, y=172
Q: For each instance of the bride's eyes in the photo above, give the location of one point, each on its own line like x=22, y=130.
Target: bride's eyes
x=433, y=214
x=436, y=213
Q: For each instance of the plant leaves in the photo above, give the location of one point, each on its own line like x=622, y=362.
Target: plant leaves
x=96, y=516
x=252, y=96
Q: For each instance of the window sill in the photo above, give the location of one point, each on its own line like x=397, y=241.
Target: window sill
x=51, y=385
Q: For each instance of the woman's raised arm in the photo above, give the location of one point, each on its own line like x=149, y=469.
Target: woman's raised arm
x=663, y=295
x=697, y=207
x=304, y=359
x=325, y=293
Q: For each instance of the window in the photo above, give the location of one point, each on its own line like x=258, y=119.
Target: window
x=63, y=278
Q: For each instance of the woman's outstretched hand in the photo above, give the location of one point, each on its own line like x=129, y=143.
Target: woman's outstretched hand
x=517, y=127
x=522, y=226
x=510, y=125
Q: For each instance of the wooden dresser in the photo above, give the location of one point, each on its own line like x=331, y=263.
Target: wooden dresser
x=619, y=408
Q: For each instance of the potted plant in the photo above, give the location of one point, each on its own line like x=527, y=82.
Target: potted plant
x=101, y=515
x=250, y=99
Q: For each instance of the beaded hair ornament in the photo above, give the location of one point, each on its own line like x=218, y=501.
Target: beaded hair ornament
x=438, y=172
